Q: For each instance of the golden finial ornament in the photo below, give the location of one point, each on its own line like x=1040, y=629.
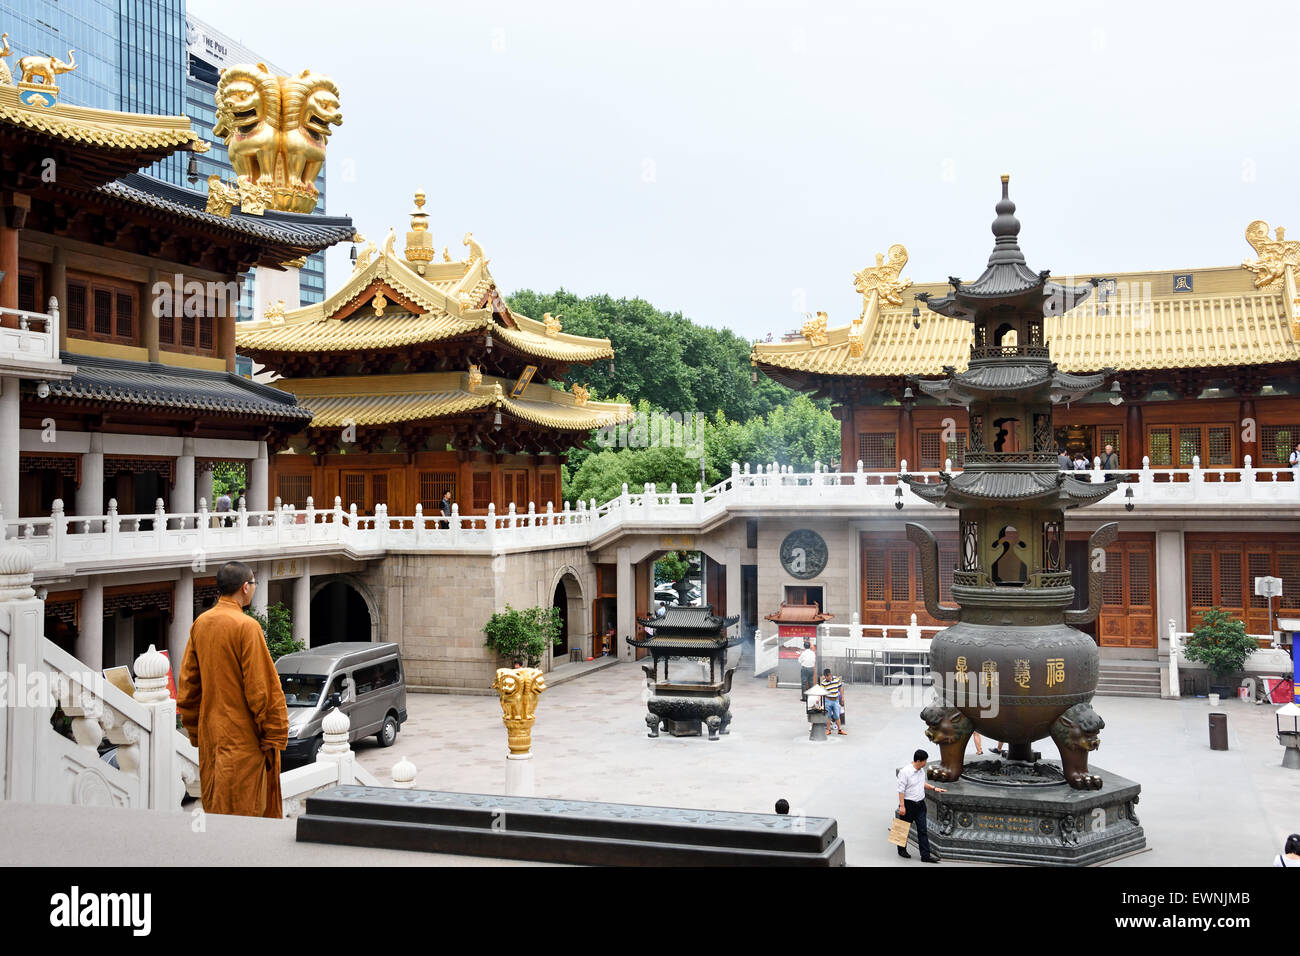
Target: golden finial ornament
x=475, y=377
x=221, y=197
x=581, y=395
x=475, y=250
x=367, y=253
x=814, y=329
x=1274, y=254
x=275, y=313
x=882, y=279
x=519, y=689
x=6, y=78
x=552, y=324
x=419, y=241
x=446, y=254
x=379, y=303
x=276, y=129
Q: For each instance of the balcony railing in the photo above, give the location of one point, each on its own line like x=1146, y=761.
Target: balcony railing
x=100, y=542
x=30, y=336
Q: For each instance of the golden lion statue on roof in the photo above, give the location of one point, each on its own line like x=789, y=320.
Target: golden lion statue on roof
x=276, y=129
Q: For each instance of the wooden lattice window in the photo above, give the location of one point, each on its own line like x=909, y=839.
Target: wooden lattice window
x=1160, y=443
x=1107, y=435
x=1288, y=569
x=103, y=299
x=1139, y=578
x=354, y=491
x=1258, y=565
x=933, y=450
x=1112, y=583
x=899, y=579
x=28, y=292
x=76, y=307
x=125, y=308
x=546, y=490
x=1276, y=443
x=294, y=489
x=1189, y=445
x=1202, y=578
x=1230, y=590
x=1218, y=446
x=379, y=489
x=873, y=576
x=878, y=451
x=166, y=329
x=482, y=490
x=433, y=484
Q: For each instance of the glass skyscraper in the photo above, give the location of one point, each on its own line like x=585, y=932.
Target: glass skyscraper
x=130, y=54
x=146, y=56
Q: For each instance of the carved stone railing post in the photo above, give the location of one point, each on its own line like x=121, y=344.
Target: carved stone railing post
x=164, y=776
x=334, y=729
x=1174, y=690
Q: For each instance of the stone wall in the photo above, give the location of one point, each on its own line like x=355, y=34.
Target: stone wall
x=435, y=607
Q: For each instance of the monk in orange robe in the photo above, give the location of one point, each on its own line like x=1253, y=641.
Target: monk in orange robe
x=231, y=704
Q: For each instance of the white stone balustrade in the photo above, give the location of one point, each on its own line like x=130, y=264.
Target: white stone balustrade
x=335, y=765
x=36, y=339
x=87, y=543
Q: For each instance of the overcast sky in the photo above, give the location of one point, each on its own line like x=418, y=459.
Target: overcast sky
x=738, y=161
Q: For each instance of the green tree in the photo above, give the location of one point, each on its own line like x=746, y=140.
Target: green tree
x=277, y=628
x=523, y=635
x=673, y=566
x=1220, y=643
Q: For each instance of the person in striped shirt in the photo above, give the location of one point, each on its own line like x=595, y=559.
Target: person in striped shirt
x=834, y=701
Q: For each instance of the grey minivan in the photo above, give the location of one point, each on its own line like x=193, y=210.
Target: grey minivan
x=365, y=680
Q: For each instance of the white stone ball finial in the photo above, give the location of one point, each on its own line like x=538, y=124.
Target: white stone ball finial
x=404, y=774
x=151, y=670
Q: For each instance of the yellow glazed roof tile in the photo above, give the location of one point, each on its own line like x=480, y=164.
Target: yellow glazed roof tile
x=79, y=124
x=448, y=292
x=1126, y=332
x=369, y=401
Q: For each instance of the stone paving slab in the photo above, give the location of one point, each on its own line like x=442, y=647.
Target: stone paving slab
x=1231, y=807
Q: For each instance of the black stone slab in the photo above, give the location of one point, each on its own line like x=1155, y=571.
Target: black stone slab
x=565, y=831
x=1035, y=825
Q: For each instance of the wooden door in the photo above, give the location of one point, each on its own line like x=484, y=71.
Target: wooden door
x=1128, y=613
x=516, y=489
x=353, y=490
x=892, y=590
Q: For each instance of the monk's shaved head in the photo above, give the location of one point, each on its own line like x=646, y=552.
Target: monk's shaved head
x=233, y=576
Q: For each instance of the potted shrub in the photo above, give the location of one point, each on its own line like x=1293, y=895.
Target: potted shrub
x=521, y=637
x=1220, y=643
x=277, y=628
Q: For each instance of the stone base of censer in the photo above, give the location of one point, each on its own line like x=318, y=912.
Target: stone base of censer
x=1010, y=811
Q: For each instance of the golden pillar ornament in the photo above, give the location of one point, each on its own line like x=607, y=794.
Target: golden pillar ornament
x=519, y=688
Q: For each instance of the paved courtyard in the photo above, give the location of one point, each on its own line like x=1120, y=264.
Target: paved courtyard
x=1198, y=806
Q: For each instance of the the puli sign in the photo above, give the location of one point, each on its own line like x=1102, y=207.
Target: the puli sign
x=803, y=553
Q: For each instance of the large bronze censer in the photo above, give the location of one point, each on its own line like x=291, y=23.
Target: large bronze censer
x=1012, y=665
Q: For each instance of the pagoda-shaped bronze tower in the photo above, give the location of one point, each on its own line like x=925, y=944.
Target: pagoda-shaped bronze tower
x=1013, y=666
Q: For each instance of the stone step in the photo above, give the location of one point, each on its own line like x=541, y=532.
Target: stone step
x=1128, y=669
x=1127, y=693
x=565, y=831
x=1130, y=679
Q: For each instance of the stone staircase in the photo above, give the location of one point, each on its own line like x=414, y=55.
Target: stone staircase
x=1129, y=679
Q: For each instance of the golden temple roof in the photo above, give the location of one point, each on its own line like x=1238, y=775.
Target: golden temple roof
x=105, y=128
x=1224, y=321
x=450, y=295
x=377, y=400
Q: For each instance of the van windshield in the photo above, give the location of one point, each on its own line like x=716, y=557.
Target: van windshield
x=302, y=690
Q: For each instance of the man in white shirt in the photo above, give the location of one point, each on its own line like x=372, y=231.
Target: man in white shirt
x=911, y=803
x=807, y=668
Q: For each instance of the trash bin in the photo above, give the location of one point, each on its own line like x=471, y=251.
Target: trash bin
x=1218, y=731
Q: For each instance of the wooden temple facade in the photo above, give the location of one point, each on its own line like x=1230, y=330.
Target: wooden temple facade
x=421, y=381
x=1207, y=372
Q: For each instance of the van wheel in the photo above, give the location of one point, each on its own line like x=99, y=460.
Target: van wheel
x=387, y=735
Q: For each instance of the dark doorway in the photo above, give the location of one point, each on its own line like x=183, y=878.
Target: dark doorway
x=801, y=594
x=561, y=602
x=339, y=613
x=1076, y=559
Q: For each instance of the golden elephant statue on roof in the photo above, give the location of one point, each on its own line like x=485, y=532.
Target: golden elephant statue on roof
x=276, y=129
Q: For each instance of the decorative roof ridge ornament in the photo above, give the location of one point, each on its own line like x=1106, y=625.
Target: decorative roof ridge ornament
x=814, y=329
x=275, y=313
x=419, y=241
x=1274, y=255
x=222, y=197
x=475, y=377
x=367, y=253
x=552, y=323
x=276, y=129
x=475, y=250
x=33, y=68
x=6, y=78
x=581, y=395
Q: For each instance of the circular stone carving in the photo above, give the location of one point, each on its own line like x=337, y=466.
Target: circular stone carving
x=90, y=789
x=965, y=820
x=803, y=553
x=1046, y=827
x=1013, y=773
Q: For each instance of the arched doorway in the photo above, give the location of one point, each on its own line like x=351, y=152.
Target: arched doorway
x=567, y=599
x=339, y=612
